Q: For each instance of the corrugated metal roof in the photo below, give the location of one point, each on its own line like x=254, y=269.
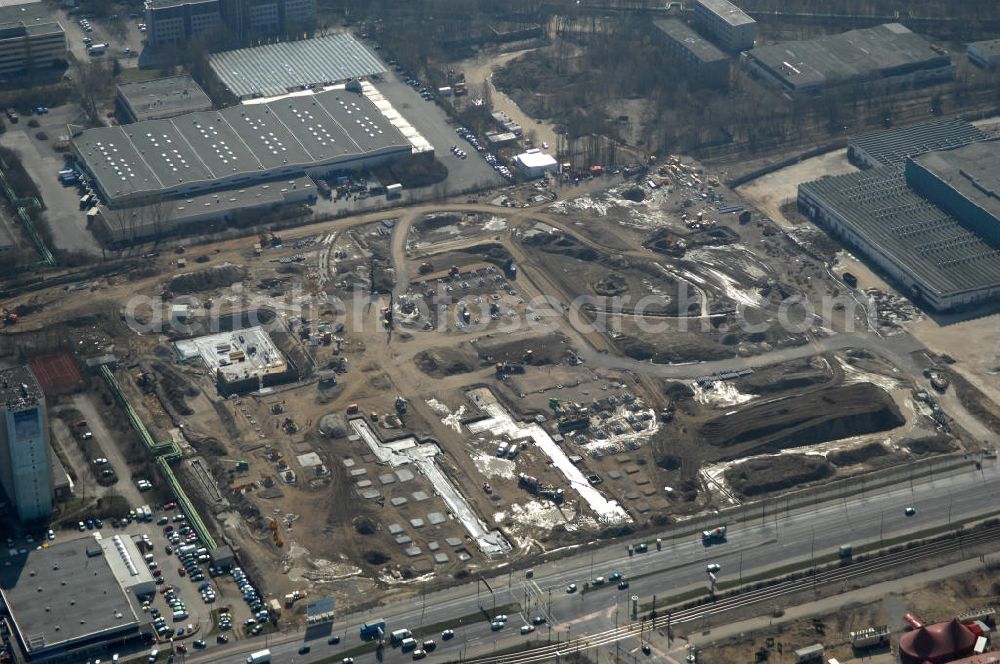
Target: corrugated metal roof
x=921, y=238
x=272, y=70
x=856, y=55
x=893, y=146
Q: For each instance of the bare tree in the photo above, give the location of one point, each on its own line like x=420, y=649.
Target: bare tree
x=93, y=84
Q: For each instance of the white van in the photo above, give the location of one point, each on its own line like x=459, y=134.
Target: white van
x=408, y=644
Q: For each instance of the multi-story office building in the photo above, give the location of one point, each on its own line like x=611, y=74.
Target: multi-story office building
x=30, y=39
x=703, y=64
x=25, y=466
x=247, y=21
x=179, y=21
x=728, y=25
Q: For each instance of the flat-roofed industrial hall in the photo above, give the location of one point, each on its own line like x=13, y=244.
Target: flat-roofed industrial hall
x=240, y=146
x=891, y=54
x=930, y=222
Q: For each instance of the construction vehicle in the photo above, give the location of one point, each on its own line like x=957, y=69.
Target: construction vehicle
x=535, y=487
x=401, y=405
x=275, y=535
x=9, y=317
x=352, y=409
x=295, y=596
x=241, y=464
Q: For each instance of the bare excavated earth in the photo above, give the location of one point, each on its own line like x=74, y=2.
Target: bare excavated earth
x=798, y=420
x=775, y=473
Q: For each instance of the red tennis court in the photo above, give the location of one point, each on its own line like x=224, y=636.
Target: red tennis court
x=57, y=373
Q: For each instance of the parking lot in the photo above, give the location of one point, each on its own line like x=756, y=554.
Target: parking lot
x=195, y=606
x=77, y=36
x=431, y=121
x=43, y=163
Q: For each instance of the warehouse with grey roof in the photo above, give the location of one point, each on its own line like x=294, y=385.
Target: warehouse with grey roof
x=985, y=53
x=888, y=55
x=278, y=139
x=892, y=147
x=161, y=98
x=963, y=181
x=931, y=225
x=67, y=598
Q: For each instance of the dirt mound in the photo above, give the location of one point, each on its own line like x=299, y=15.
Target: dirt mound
x=333, y=426
x=673, y=354
x=208, y=279
x=817, y=417
x=490, y=252
x=776, y=473
x=681, y=395
x=437, y=221
x=612, y=284
x=794, y=375
x=930, y=445
x=857, y=455
x=550, y=349
x=441, y=362
x=557, y=243
x=668, y=242
x=175, y=388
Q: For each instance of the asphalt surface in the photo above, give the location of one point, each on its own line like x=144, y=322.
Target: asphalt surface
x=471, y=173
x=42, y=163
x=752, y=546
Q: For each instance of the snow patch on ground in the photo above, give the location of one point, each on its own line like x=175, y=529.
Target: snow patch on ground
x=853, y=375
x=490, y=466
x=501, y=423
x=531, y=515
x=450, y=419
x=495, y=224
x=300, y=567
x=721, y=394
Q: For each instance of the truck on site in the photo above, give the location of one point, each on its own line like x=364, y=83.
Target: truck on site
x=714, y=535
x=373, y=631
x=260, y=657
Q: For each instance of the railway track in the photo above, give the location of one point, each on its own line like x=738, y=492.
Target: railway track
x=749, y=598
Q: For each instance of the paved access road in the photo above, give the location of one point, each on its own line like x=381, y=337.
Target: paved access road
x=753, y=545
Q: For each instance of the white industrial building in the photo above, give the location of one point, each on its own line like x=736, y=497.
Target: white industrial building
x=127, y=564
x=535, y=163
x=243, y=360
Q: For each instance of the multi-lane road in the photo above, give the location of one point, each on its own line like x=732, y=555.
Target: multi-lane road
x=754, y=544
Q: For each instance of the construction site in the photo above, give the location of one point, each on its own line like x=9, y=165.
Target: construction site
x=375, y=404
